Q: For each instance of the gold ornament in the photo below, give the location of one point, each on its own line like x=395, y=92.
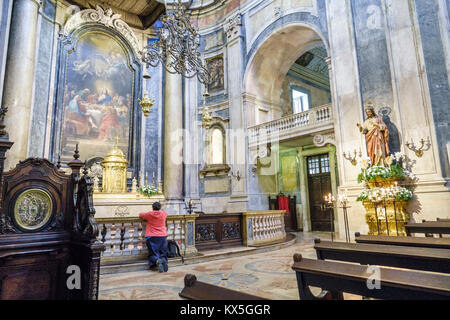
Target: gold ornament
x=146, y=104
x=33, y=209
x=115, y=171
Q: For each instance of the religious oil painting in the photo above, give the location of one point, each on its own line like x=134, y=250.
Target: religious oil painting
x=215, y=68
x=97, y=97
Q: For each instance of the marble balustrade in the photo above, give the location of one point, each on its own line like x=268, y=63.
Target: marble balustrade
x=263, y=227
x=125, y=237
x=292, y=125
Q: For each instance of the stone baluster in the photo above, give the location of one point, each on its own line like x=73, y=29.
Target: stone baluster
x=263, y=228
x=115, y=239
x=108, y=251
x=127, y=240
x=183, y=235
x=256, y=228
x=142, y=246
x=134, y=238
x=279, y=226
x=260, y=228
x=179, y=233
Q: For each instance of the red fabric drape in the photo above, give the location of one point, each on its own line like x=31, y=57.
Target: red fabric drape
x=283, y=204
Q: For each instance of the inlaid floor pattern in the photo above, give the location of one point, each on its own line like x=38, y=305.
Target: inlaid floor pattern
x=268, y=275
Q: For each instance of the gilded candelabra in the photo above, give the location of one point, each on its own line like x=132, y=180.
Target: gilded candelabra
x=418, y=151
x=352, y=160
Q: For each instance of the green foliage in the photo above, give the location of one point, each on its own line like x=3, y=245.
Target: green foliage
x=395, y=172
x=148, y=190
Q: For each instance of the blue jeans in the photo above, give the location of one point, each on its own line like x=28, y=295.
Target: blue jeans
x=157, y=249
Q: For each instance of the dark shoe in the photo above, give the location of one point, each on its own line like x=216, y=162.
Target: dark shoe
x=165, y=265
x=160, y=264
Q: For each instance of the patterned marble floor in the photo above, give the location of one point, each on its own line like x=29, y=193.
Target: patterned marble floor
x=268, y=275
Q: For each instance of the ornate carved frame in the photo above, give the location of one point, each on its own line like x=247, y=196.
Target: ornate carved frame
x=102, y=21
x=216, y=169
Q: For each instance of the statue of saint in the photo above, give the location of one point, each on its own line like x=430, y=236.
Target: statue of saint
x=377, y=137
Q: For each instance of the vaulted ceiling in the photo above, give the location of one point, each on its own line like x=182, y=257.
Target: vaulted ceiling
x=139, y=14
x=314, y=61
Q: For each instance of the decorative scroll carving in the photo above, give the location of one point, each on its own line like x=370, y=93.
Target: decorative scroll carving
x=233, y=26
x=85, y=224
x=105, y=17
x=321, y=140
x=5, y=224
x=205, y=232
x=33, y=208
x=231, y=230
x=122, y=211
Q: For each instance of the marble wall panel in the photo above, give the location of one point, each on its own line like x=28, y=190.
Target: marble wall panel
x=42, y=78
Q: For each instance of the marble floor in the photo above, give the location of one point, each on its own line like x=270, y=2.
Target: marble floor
x=267, y=274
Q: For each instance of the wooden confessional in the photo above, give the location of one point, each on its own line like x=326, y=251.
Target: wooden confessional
x=290, y=220
x=48, y=232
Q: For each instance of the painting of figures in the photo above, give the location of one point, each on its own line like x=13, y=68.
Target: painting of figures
x=215, y=69
x=97, y=97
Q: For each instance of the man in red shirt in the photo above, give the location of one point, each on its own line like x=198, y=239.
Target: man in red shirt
x=156, y=237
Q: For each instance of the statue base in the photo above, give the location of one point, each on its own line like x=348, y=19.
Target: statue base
x=396, y=217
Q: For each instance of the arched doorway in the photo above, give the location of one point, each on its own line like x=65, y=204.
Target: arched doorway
x=280, y=81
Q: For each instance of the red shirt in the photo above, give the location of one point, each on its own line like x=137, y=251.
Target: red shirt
x=156, y=223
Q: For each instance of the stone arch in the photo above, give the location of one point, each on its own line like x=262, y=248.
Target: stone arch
x=272, y=55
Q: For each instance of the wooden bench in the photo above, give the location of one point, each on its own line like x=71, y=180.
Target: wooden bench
x=416, y=258
x=338, y=277
x=432, y=227
x=197, y=290
x=439, y=243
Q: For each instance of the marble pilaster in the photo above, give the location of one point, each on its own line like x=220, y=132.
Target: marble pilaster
x=233, y=29
x=173, y=139
x=19, y=76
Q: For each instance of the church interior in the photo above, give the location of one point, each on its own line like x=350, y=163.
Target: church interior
x=300, y=148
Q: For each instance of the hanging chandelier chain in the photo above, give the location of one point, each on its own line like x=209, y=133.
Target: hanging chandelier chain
x=177, y=46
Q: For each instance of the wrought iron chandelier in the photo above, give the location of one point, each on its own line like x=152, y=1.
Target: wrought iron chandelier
x=177, y=46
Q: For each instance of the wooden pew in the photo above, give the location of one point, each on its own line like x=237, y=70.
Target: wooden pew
x=336, y=277
x=432, y=227
x=439, y=243
x=437, y=220
x=197, y=290
x=427, y=259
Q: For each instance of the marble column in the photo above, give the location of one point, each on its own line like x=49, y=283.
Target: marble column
x=173, y=138
x=238, y=132
x=19, y=76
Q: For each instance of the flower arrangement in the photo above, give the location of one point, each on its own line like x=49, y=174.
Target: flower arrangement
x=394, y=172
x=378, y=194
x=372, y=173
x=148, y=190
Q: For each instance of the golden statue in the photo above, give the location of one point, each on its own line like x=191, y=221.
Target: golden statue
x=377, y=137
x=115, y=171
